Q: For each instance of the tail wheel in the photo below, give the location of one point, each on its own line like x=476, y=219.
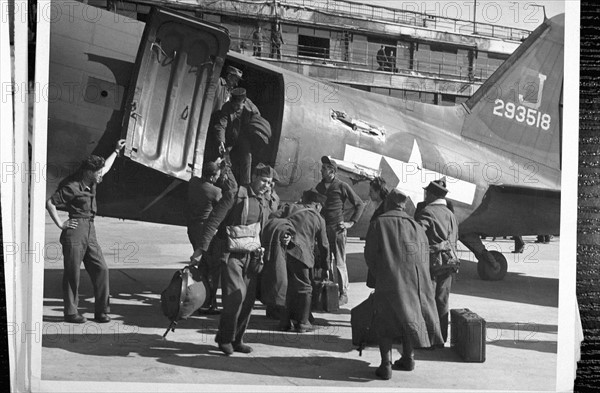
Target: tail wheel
x=486, y=270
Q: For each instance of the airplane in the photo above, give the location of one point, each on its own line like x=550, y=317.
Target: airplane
x=500, y=151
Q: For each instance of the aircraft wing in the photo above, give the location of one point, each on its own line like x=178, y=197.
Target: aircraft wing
x=515, y=210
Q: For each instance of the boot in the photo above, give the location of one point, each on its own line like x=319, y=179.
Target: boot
x=285, y=323
x=303, y=310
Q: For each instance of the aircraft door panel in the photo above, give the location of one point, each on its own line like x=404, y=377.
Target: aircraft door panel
x=171, y=96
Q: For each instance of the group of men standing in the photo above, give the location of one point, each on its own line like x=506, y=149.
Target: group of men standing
x=303, y=235
x=276, y=42
x=411, y=303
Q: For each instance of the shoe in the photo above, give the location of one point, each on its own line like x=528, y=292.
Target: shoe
x=227, y=348
x=384, y=371
x=343, y=299
x=404, y=364
x=519, y=251
x=101, y=318
x=209, y=311
x=304, y=327
x=243, y=348
x=75, y=318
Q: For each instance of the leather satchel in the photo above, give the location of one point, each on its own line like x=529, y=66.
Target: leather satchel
x=443, y=258
x=243, y=238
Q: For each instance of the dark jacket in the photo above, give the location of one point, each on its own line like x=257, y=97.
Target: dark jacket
x=310, y=232
x=273, y=279
x=230, y=125
x=229, y=212
x=337, y=195
x=439, y=223
x=202, y=197
x=396, y=251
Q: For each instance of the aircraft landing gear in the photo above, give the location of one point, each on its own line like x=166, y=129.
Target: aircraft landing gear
x=491, y=265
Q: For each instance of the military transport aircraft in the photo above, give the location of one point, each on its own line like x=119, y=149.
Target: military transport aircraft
x=500, y=151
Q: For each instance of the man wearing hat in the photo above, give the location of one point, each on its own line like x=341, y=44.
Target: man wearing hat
x=440, y=226
x=310, y=233
x=337, y=193
x=225, y=85
x=232, y=132
x=242, y=206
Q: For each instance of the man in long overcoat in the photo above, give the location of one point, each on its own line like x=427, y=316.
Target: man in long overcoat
x=397, y=253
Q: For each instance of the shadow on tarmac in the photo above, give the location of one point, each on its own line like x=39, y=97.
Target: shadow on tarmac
x=515, y=287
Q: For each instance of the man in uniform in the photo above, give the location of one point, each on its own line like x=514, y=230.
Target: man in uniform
x=337, y=193
x=203, y=194
x=310, y=232
x=396, y=252
x=231, y=133
x=77, y=194
x=225, y=86
x=257, y=39
x=440, y=225
x=239, y=273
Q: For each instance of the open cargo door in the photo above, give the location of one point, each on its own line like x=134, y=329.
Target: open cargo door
x=172, y=92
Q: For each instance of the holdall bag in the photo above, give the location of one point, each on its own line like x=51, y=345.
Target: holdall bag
x=244, y=238
x=443, y=259
x=361, y=320
x=186, y=293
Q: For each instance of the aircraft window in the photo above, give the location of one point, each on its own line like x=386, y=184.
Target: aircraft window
x=355, y=124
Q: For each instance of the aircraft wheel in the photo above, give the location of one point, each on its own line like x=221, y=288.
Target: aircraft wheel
x=498, y=273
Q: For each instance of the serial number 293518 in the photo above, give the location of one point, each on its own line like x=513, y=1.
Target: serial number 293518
x=522, y=114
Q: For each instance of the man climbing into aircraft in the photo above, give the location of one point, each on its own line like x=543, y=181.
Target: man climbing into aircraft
x=441, y=228
x=231, y=132
x=337, y=193
x=225, y=86
x=77, y=194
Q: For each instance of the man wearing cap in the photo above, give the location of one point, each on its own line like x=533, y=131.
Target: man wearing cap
x=396, y=252
x=225, y=86
x=310, y=232
x=203, y=195
x=239, y=272
x=337, y=193
x=231, y=132
x=77, y=194
x=440, y=226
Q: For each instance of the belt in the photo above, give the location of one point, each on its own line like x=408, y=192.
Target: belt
x=90, y=219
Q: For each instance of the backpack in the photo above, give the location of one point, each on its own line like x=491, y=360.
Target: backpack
x=186, y=293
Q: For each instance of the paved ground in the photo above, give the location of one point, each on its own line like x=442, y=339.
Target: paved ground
x=521, y=313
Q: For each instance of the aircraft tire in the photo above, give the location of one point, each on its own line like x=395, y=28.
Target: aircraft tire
x=496, y=274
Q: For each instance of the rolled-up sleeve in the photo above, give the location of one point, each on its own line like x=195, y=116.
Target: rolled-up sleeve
x=359, y=205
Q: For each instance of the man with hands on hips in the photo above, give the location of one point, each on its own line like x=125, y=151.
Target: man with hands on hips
x=77, y=195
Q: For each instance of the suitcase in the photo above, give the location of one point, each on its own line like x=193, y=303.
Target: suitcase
x=467, y=335
x=325, y=296
x=361, y=320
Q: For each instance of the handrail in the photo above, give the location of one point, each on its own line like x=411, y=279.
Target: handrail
x=307, y=54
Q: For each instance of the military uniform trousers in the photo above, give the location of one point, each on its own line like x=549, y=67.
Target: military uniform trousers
x=238, y=287
x=299, y=290
x=337, y=245
x=80, y=244
x=443, y=285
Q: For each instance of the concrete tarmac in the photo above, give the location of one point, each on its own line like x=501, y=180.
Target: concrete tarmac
x=521, y=314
